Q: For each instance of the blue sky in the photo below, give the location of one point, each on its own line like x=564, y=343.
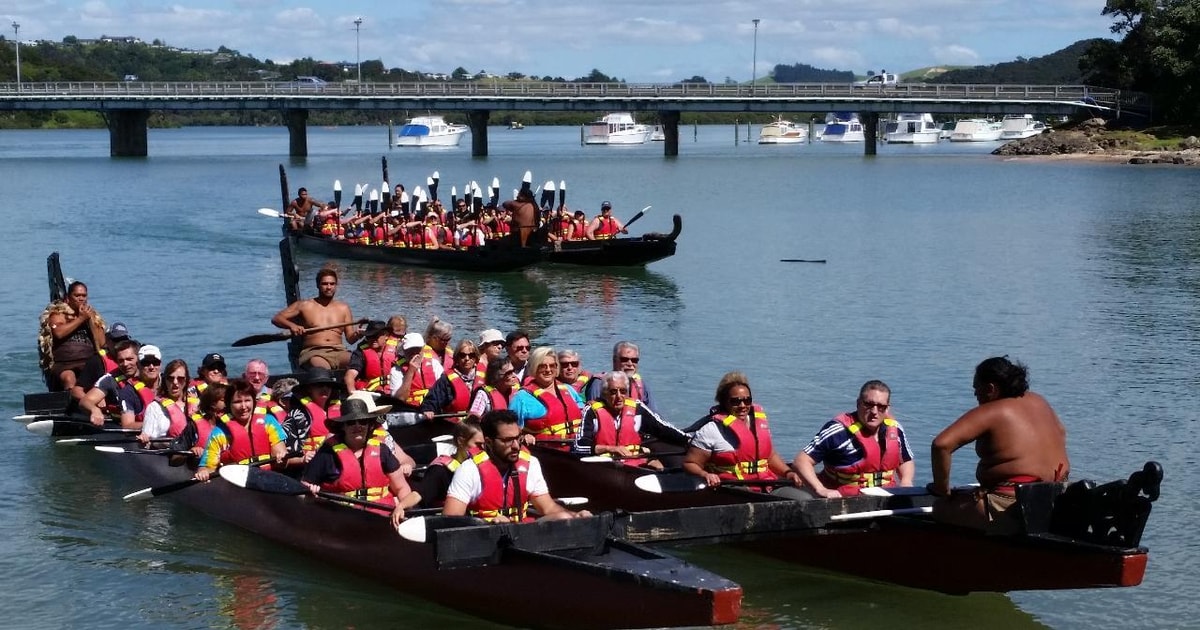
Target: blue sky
x=637, y=40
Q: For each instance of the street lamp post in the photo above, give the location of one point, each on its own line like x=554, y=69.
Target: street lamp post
x=357, y=55
x=754, y=77
x=17, y=40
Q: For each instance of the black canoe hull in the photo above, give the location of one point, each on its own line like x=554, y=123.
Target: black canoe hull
x=655, y=589
x=617, y=252
x=486, y=259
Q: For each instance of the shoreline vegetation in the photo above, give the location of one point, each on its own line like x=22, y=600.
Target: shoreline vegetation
x=1094, y=140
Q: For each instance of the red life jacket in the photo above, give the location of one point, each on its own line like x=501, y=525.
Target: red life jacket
x=876, y=468
x=362, y=477
x=246, y=444
x=579, y=230
x=145, y=393
x=581, y=381
x=423, y=379
x=499, y=495
x=110, y=366
x=373, y=378
x=318, y=430
x=388, y=355
x=607, y=228
x=611, y=432
x=176, y=414
x=497, y=398
x=563, y=417
x=204, y=427
x=749, y=459
x=264, y=404
x=462, y=391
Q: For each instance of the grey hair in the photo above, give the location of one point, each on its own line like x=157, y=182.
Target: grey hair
x=438, y=328
x=610, y=378
x=625, y=345
x=567, y=353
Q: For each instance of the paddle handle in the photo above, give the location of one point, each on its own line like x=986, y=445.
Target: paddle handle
x=309, y=331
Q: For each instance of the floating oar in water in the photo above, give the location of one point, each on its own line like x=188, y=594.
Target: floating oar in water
x=145, y=494
x=255, y=340
x=801, y=260
x=417, y=529
x=54, y=428
x=638, y=216
x=267, y=212
x=669, y=483
x=159, y=452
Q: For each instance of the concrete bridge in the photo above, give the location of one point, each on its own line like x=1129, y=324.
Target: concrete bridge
x=126, y=106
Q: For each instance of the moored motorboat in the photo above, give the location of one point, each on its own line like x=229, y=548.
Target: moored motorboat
x=616, y=128
x=842, y=127
x=975, y=130
x=658, y=135
x=912, y=129
x=782, y=131
x=430, y=131
x=1016, y=127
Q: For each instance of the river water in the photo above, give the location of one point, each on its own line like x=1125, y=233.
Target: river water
x=937, y=257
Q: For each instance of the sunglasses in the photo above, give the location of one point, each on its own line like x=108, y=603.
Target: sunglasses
x=464, y=355
x=633, y=360
x=358, y=423
x=611, y=391
x=568, y=364
x=177, y=379
x=873, y=405
x=150, y=362
x=745, y=400
x=520, y=348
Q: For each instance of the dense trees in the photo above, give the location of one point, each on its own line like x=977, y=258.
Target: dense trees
x=1057, y=68
x=804, y=73
x=1160, y=55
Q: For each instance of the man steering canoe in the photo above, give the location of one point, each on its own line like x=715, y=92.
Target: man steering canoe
x=321, y=348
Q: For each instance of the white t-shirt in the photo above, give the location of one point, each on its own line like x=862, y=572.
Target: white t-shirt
x=155, y=421
x=466, y=486
x=710, y=438
x=396, y=377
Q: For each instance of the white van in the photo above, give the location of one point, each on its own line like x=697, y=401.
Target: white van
x=881, y=79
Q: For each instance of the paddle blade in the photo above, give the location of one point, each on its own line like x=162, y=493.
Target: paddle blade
x=255, y=340
x=413, y=529
x=145, y=494
x=267, y=212
x=41, y=427
x=24, y=418
x=110, y=449
x=235, y=474
x=572, y=501
x=596, y=459
x=659, y=484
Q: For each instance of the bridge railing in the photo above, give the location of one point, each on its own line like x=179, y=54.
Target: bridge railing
x=540, y=89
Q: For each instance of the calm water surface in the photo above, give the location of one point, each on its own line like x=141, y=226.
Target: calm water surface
x=937, y=258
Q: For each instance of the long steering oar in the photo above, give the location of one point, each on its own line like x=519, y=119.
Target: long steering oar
x=271, y=482
x=638, y=216
x=255, y=340
x=267, y=212
x=145, y=494
x=670, y=483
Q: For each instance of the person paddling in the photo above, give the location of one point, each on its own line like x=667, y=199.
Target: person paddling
x=322, y=349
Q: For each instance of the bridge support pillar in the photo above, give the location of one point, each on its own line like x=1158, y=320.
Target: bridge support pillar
x=670, y=126
x=871, y=132
x=479, y=123
x=297, y=124
x=127, y=132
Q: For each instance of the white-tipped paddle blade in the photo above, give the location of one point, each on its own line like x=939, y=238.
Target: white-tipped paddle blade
x=74, y=441
x=874, y=491
x=412, y=529
x=235, y=474
x=24, y=418
x=595, y=459
x=144, y=494
x=337, y=184
x=436, y=176
x=403, y=197
x=385, y=187
x=647, y=208
x=442, y=438
x=428, y=181
x=649, y=483
x=358, y=190
x=374, y=195
x=110, y=449
x=41, y=427
x=562, y=184
x=454, y=191
x=445, y=449
x=549, y=186
x=267, y=212
x=572, y=501
x=496, y=183
x=528, y=178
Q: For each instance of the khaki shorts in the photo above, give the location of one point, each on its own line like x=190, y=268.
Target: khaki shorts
x=336, y=356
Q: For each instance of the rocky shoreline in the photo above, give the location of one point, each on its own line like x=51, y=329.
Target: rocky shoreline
x=1091, y=140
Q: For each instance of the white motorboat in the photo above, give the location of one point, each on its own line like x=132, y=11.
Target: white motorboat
x=616, y=128
x=1015, y=127
x=430, y=131
x=782, y=132
x=658, y=135
x=842, y=127
x=975, y=130
x=912, y=129
x=947, y=129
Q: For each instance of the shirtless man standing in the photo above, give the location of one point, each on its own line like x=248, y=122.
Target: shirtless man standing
x=1018, y=438
x=321, y=349
x=524, y=215
x=300, y=207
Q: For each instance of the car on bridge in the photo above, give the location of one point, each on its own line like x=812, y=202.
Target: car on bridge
x=306, y=84
x=883, y=79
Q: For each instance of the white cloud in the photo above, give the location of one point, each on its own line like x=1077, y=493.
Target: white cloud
x=832, y=56
x=955, y=55
x=906, y=29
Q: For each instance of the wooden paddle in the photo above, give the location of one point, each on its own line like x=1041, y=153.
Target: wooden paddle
x=637, y=216
x=270, y=482
x=672, y=483
x=255, y=340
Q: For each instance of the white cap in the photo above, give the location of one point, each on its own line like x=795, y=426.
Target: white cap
x=369, y=399
x=149, y=351
x=490, y=335
x=412, y=340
